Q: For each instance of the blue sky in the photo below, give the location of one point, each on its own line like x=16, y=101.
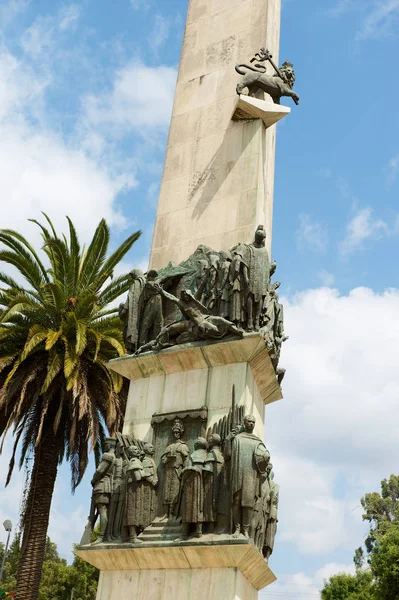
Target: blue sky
x=86, y=90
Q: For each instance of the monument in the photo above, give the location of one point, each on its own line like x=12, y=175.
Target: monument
x=185, y=495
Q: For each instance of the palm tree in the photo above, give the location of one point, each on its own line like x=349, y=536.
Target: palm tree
x=57, y=334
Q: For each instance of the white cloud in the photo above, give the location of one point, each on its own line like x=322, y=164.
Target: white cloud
x=380, y=21
x=325, y=172
x=393, y=168
x=10, y=10
x=40, y=171
x=334, y=435
x=300, y=585
x=11, y=496
x=69, y=16
x=340, y=8
x=311, y=518
x=43, y=34
x=141, y=97
x=20, y=88
x=160, y=32
x=326, y=278
x=363, y=226
x=143, y=5
x=311, y=234
x=377, y=18
x=66, y=525
x=38, y=37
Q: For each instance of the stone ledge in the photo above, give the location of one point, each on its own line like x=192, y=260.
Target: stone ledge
x=203, y=355
x=237, y=554
x=254, y=108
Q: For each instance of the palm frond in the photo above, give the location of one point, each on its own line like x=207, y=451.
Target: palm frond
x=95, y=256
x=116, y=257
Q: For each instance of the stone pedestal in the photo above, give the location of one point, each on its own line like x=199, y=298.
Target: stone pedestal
x=192, y=584
x=248, y=108
x=193, y=380
x=191, y=376
x=200, y=571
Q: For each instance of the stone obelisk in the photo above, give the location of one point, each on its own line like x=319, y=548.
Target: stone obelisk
x=218, y=179
x=206, y=368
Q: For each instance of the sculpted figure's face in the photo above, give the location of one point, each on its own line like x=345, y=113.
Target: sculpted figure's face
x=249, y=423
x=176, y=434
x=150, y=449
x=213, y=441
x=200, y=444
x=260, y=236
x=289, y=72
x=133, y=452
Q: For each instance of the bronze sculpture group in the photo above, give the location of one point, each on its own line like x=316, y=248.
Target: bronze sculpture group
x=222, y=487
x=210, y=296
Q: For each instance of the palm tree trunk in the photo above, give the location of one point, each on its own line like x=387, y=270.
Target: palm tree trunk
x=36, y=517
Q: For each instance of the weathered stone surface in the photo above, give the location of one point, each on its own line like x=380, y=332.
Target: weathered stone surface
x=178, y=556
x=254, y=108
x=199, y=361
x=208, y=152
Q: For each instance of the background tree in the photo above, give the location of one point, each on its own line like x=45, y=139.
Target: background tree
x=345, y=586
x=58, y=578
x=377, y=566
x=57, y=334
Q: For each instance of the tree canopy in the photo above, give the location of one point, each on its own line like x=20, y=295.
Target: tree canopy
x=58, y=578
x=377, y=564
x=57, y=334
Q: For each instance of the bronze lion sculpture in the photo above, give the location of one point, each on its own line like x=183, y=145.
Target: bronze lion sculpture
x=255, y=78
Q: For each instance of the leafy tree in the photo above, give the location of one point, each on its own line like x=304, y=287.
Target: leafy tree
x=58, y=578
x=84, y=579
x=380, y=579
x=349, y=587
x=384, y=563
x=56, y=336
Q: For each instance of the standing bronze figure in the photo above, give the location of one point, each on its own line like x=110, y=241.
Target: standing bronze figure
x=174, y=459
x=249, y=458
x=149, y=484
x=102, y=485
x=129, y=311
x=134, y=505
x=192, y=503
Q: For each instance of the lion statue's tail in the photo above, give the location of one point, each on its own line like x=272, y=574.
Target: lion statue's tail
x=239, y=68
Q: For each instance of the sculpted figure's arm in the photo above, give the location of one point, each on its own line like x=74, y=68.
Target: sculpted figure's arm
x=226, y=271
x=165, y=458
x=245, y=274
x=228, y=443
x=102, y=470
x=154, y=477
x=168, y=296
x=185, y=452
x=134, y=471
x=123, y=310
x=274, y=505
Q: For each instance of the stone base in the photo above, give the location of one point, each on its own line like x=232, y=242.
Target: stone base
x=200, y=374
x=230, y=570
x=254, y=108
x=190, y=584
